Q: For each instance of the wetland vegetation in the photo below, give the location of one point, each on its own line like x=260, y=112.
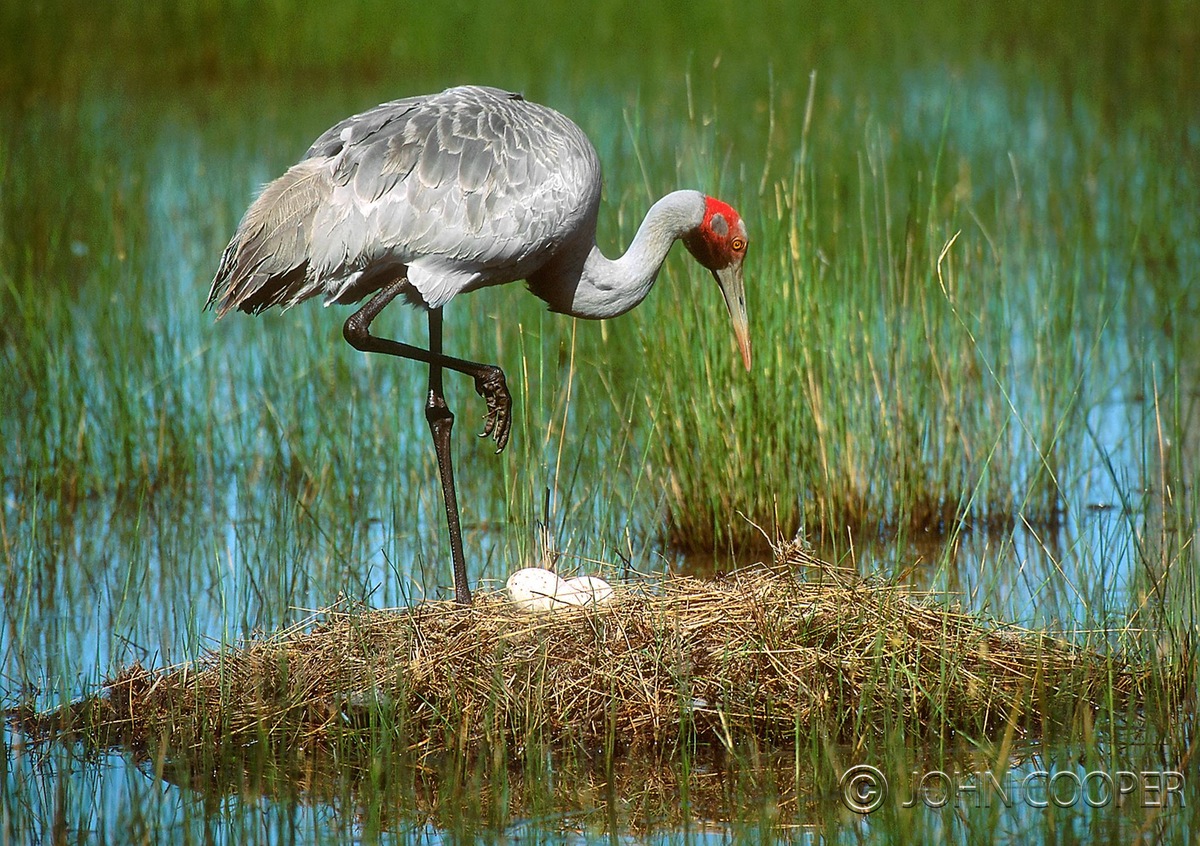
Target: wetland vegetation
x=974, y=292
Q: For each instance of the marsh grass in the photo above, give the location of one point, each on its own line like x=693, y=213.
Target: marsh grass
x=735, y=700
x=757, y=654
x=973, y=297
x=935, y=286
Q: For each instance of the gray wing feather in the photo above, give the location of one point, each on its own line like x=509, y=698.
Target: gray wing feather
x=271, y=242
x=474, y=165
x=473, y=186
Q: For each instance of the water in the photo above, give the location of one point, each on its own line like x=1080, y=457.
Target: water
x=228, y=478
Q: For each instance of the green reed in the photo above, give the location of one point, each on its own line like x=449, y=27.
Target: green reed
x=930, y=329
x=980, y=230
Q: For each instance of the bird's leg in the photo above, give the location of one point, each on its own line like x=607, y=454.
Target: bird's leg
x=441, y=421
x=489, y=382
x=489, y=379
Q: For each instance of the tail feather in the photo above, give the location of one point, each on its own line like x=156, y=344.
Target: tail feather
x=267, y=260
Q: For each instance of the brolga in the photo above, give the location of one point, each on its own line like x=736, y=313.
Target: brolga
x=429, y=197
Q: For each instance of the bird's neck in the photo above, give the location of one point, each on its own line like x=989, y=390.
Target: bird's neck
x=611, y=287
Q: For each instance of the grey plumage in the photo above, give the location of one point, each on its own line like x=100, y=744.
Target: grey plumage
x=470, y=187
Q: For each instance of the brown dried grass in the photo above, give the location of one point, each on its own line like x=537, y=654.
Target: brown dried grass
x=758, y=652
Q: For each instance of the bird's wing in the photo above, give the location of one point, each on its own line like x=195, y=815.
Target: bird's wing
x=267, y=260
x=468, y=187
x=470, y=183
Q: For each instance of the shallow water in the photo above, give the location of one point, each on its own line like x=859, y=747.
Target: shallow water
x=232, y=476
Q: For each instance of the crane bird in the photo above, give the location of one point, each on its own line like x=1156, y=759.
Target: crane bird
x=429, y=197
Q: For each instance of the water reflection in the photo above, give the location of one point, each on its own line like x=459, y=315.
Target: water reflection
x=589, y=795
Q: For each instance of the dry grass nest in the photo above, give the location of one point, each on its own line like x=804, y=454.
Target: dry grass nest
x=759, y=651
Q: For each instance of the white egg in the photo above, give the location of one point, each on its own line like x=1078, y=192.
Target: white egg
x=535, y=590
x=585, y=590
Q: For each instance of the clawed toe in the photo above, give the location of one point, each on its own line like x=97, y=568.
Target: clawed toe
x=497, y=422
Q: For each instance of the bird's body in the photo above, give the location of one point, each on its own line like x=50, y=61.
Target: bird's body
x=431, y=197
x=466, y=188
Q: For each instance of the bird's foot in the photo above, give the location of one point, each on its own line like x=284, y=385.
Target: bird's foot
x=498, y=422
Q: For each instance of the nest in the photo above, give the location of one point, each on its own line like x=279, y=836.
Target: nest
x=758, y=652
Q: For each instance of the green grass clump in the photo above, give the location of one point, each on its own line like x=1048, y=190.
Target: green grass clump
x=973, y=294
x=931, y=330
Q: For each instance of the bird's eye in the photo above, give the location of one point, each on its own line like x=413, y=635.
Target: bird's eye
x=738, y=245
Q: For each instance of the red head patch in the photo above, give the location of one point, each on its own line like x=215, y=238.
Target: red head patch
x=720, y=239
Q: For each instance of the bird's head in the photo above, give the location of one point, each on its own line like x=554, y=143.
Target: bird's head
x=719, y=243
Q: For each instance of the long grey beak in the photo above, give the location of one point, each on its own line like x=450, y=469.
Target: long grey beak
x=734, y=290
